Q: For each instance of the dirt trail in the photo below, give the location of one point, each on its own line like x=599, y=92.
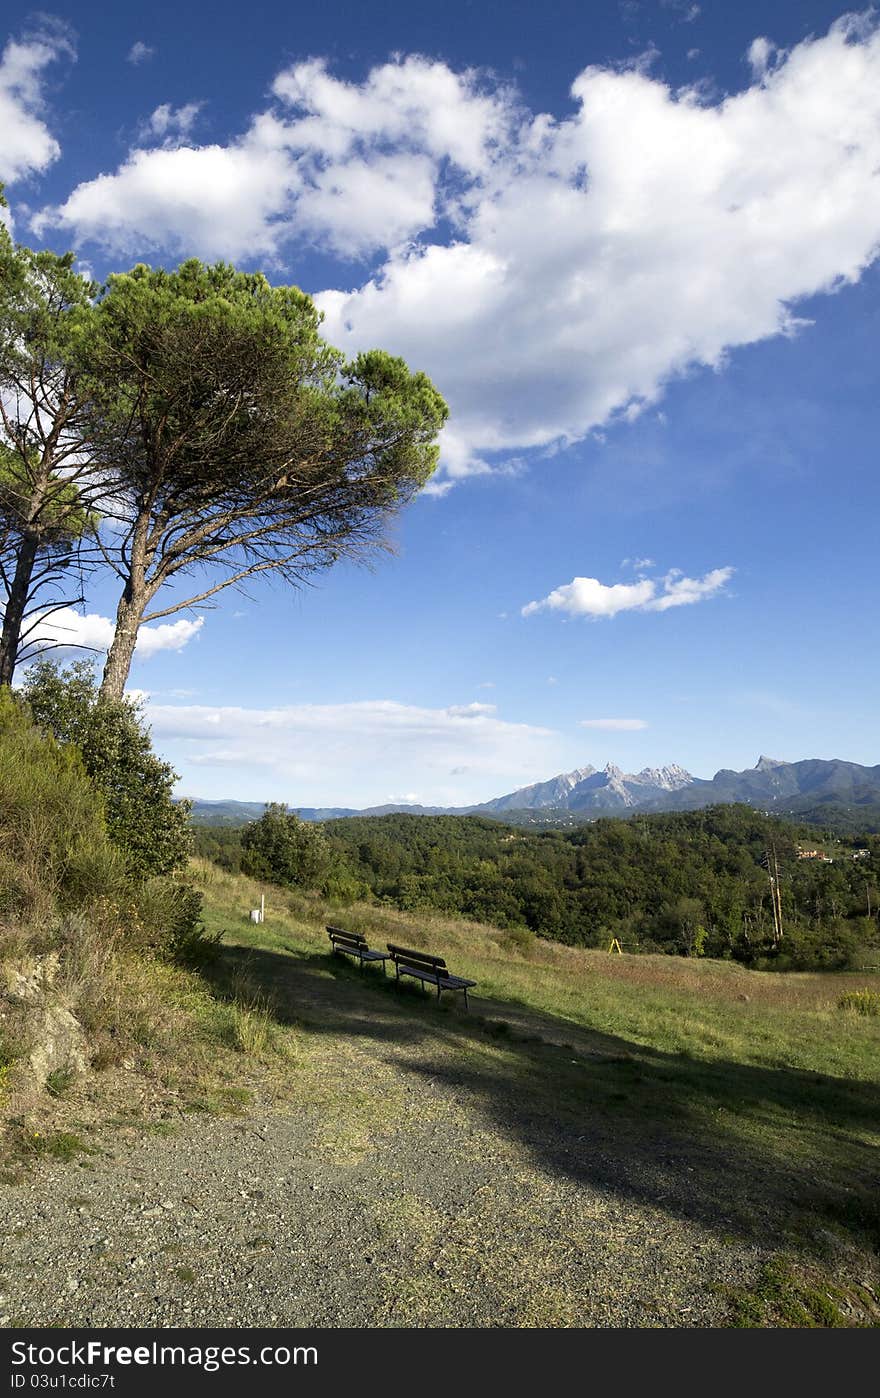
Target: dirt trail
x=421, y=1176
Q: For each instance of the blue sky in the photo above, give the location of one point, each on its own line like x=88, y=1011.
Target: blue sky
x=634, y=244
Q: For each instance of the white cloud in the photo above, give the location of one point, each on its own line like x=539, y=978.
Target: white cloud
x=170, y=125
x=354, y=753
x=359, y=206
x=638, y=564
x=592, y=598
x=614, y=725
x=648, y=233
x=355, y=168
x=139, y=53
x=171, y=635
x=413, y=104
x=760, y=56
x=27, y=146
x=181, y=198
x=66, y=628
x=592, y=258
x=679, y=591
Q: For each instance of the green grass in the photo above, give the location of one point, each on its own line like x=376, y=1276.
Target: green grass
x=789, y=1295
x=709, y=1009
x=860, y=1002
x=744, y=1102
x=716, y=1089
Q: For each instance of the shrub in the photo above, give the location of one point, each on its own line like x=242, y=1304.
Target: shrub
x=54, y=845
x=143, y=819
x=169, y=921
x=861, y=1002
x=341, y=886
x=520, y=939
x=284, y=849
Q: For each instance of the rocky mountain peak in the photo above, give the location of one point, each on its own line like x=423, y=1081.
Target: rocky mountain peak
x=672, y=777
x=766, y=764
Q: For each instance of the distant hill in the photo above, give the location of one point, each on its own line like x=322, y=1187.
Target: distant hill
x=240, y=812
x=225, y=812
x=789, y=787
x=841, y=795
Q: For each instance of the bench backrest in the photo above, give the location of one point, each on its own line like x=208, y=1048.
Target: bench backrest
x=354, y=939
x=419, y=960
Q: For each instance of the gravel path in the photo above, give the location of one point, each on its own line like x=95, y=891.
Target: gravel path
x=395, y=1191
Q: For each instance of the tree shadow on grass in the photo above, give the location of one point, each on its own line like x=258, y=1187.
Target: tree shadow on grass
x=774, y=1155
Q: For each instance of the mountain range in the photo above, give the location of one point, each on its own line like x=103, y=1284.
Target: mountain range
x=789, y=788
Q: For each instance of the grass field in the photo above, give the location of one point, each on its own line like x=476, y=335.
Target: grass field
x=747, y=1101
x=636, y=1140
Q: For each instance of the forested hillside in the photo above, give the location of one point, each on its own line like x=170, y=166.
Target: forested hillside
x=693, y=883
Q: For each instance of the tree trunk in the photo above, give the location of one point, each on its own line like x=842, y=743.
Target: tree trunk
x=132, y=605
x=119, y=657
x=15, y=607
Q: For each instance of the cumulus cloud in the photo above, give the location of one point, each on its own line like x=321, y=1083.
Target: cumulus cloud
x=156, y=188
x=66, y=628
x=320, y=754
x=170, y=125
x=646, y=234
x=139, y=53
x=592, y=598
x=591, y=258
x=614, y=725
x=27, y=145
x=354, y=167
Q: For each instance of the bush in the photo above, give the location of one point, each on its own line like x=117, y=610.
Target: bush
x=54, y=844
x=284, y=849
x=169, y=918
x=143, y=819
x=519, y=939
x=343, y=888
x=861, y=1002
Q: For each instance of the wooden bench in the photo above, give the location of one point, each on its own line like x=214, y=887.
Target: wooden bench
x=354, y=944
x=428, y=969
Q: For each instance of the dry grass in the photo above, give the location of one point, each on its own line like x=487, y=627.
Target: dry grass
x=714, y=1009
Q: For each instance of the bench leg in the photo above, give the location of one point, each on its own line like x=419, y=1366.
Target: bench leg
x=438, y=990
x=465, y=997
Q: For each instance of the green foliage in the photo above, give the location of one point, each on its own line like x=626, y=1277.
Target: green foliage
x=221, y=844
x=340, y=886
x=519, y=939
x=284, y=849
x=143, y=820
x=690, y=884
x=861, y=1002
x=169, y=914
x=241, y=440
x=54, y=847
